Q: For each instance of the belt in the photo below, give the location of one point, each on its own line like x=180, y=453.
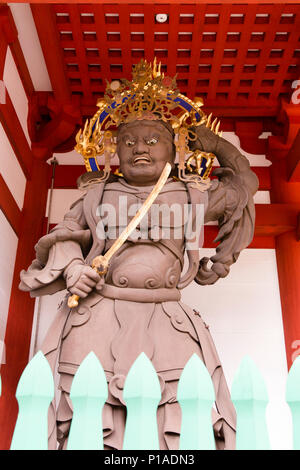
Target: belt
x=140, y=295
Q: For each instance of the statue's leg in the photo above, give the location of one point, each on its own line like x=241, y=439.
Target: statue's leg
x=168, y=425
x=113, y=420
x=63, y=420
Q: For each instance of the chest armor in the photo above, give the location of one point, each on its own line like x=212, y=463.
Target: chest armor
x=152, y=256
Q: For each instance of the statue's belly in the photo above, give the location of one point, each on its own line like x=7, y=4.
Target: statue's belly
x=145, y=266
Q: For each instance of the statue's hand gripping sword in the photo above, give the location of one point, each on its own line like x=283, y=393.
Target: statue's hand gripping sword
x=100, y=263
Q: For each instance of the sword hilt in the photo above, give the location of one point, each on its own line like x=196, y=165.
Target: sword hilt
x=73, y=301
x=100, y=265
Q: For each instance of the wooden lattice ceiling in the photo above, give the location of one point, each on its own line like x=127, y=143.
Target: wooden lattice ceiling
x=235, y=56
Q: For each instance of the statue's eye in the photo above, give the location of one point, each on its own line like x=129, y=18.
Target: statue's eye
x=151, y=141
x=129, y=142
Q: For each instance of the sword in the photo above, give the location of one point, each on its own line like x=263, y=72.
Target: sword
x=101, y=263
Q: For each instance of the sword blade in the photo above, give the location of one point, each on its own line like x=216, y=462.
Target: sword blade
x=103, y=260
x=139, y=215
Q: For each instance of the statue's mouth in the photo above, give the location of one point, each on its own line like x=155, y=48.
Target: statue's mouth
x=145, y=159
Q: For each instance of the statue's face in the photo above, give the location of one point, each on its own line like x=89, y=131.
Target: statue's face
x=144, y=148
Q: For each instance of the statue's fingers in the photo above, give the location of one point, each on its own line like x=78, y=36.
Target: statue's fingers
x=92, y=274
x=100, y=284
x=88, y=281
x=81, y=290
x=78, y=292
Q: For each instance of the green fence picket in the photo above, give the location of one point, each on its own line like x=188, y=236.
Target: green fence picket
x=88, y=394
x=35, y=392
x=196, y=396
x=250, y=398
x=142, y=395
x=293, y=400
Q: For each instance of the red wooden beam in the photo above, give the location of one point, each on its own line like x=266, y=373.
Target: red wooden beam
x=8, y=116
x=275, y=219
x=9, y=207
x=248, y=131
x=66, y=176
x=52, y=124
x=22, y=67
x=288, y=263
x=293, y=161
x=262, y=242
x=263, y=174
x=16, y=136
x=290, y=115
x=10, y=33
x=272, y=220
x=8, y=26
x=162, y=2
x=3, y=43
x=225, y=110
x=259, y=241
x=21, y=307
x=212, y=56
x=45, y=23
x=287, y=195
x=3, y=49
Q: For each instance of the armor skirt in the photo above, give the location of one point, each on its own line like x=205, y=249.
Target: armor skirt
x=117, y=330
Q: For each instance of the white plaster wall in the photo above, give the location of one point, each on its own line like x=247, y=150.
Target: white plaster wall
x=8, y=248
x=15, y=179
x=254, y=160
x=10, y=169
x=244, y=314
x=262, y=197
x=16, y=91
x=44, y=314
x=30, y=45
x=62, y=199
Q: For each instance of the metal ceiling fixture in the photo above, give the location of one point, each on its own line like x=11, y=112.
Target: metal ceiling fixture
x=161, y=17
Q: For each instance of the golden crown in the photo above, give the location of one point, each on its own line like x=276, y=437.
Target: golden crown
x=153, y=96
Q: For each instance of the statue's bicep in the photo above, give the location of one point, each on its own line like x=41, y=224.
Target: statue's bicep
x=216, y=202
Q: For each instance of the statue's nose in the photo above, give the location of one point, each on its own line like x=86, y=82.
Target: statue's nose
x=140, y=147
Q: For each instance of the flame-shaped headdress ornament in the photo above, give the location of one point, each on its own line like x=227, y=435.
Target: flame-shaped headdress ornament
x=153, y=96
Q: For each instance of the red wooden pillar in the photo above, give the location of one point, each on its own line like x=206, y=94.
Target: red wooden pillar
x=288, y=262
x=20, y=314
x=287, y=249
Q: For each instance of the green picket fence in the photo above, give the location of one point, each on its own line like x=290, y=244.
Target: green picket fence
x=142, y=395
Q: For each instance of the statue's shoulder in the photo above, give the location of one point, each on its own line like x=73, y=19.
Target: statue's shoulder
x=115, y=186
x=91, y=194
x=175, y=185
